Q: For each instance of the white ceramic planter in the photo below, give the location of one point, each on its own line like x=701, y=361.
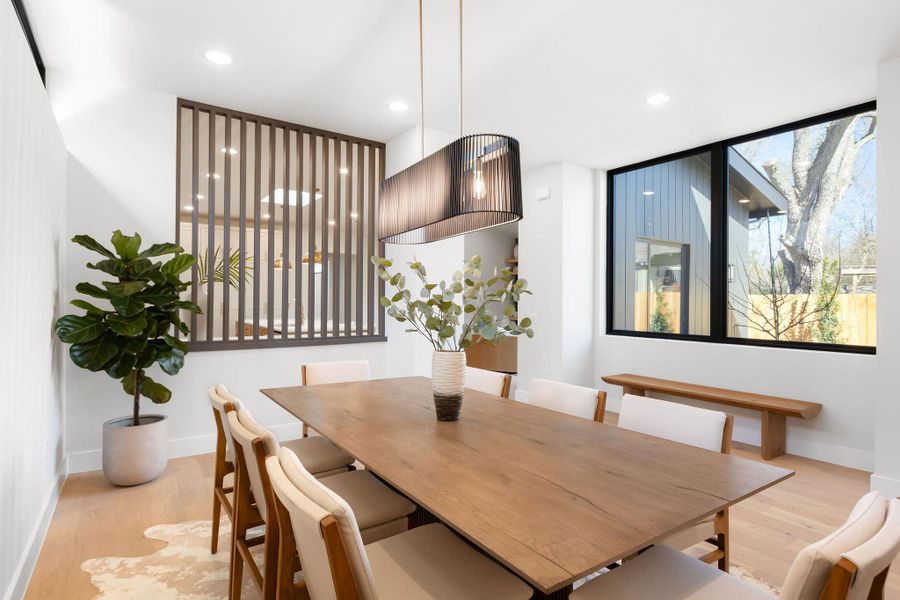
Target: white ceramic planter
x=135, y=455
x=448, y=378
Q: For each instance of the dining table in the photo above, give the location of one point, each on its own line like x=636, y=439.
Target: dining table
x=550, y=496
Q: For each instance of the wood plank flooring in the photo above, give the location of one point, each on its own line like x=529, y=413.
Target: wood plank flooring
x=94, y=519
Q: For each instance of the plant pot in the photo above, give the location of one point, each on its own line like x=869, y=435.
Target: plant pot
x=133, y=455
x=448, y=378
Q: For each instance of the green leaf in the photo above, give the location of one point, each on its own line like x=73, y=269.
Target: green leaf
x=128, y=326
x=146, y=358
x=178, y=264
x=128, y=382
x=121, y=366
x=397, y=297
x=126, y=246
x=132, y=345
x=92, y=244
x=175, y=343
x=170, y=360
x=488, y=332
x=525, y=323
x=158, y=295
x=90, y=289
x=160, y=249
x=385, y=302
x=127, y=306
x=142, y=268
x=124, y=288
x=433, y=323
x=187, y=305
x=157, y=392
x=93, y=355
x=73, y=329
x=113, y=266
x=90, y=308
x=470, y=308
x=446, y=332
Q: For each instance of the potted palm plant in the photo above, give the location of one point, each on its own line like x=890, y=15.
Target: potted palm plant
x=136, y=327
x=450, y=314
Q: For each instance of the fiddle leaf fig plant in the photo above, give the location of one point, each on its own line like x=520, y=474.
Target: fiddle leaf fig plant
x=449, y=314
x=140, y=325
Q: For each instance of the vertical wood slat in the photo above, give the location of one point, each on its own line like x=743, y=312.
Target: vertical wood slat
x=226, y=232
x=326, y=190
x=380, y=243
x=195, y=212
x=211, y=228
x=336, y=279
x=298, y=243
x=285, y=233
x=242, y=235
x=348, y=244
x=256, y=228
x=311, y=247
x=360, y=188
x=270, y=251
x=178, y=198
x=370, y=268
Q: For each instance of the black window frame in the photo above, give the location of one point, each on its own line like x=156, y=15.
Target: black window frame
x=718, y=314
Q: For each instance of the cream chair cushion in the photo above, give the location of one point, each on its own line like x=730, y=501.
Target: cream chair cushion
x=810, y=570
x=218, y=397
x=677, y=422
x=306, y=518
x=244, y=438
x=563, y=397
x=337, y=371
x=482, y=380
x=875, y=555
x=663, y=572
x=380, y=512
x=430, y=562
x=334, y=505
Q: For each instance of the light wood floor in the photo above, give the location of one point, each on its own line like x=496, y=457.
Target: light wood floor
x=95, y=519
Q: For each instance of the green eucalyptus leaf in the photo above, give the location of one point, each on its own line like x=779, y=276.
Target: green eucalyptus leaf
x=446, y=332
x=525, y=323
x=73, y=329
x=385, y=302
x=127, y=246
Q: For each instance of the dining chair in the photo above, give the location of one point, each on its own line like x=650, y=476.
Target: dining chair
x=425, y=563
x=574, y=400
x=700, y=427
x=489, y=382
x=852, y=563
x=223, y=476
x=383, y=511
x=336, y=371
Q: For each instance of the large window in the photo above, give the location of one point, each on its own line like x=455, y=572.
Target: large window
x=281, y=219
x=766, y=239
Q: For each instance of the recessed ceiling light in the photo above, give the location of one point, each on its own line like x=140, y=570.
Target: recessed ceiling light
x=649, y=193
x=354, y=215
x=332, y=223
x=188, y=208
x=344, y=170
x=218, y=57
x=398, y=106
x=781, y=211
x=658, y=99
x=200, y=196
x=231, y=151
x=744, y=201
x=214, y=175
x=265, y=216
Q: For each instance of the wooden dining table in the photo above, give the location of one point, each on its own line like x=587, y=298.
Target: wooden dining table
x=550, y=496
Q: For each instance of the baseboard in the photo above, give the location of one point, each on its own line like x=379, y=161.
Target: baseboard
x=888, y=486
x=22, y=575
x=829, y=453
x=92, y=460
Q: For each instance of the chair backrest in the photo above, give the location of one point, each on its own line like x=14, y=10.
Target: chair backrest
x=298, y=479
x=810, y=570
x=872, y=559
x=338, y=371
x=219, y=396
x=709, y=429
x=245, y=431
x=566, y=398
x=489, y=382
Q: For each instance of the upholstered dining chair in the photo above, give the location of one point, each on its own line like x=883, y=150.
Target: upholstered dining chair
x=489, y=382
x=383, y=511
x=851, y=563
x=574, y=400
x=709, y=429
x=425, y=563
x=336, y=371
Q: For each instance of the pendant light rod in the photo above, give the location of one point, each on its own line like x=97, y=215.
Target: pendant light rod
x=460, y=68
x=422, y=75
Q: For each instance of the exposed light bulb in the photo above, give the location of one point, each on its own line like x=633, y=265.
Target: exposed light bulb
x=344, y=170
x=479, y=189
x=744, y=201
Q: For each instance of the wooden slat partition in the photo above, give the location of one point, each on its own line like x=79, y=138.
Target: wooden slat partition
x=278, y=191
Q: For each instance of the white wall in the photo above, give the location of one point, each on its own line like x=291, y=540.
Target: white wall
x=556, y=257
x=494, y=246
x=885, y=390
x=32, y=205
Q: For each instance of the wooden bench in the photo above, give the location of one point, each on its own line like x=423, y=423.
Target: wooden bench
x=773, y=409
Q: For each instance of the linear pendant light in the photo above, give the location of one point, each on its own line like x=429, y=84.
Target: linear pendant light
x=471, y=184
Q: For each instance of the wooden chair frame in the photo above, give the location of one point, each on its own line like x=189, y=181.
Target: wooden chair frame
x=600, y=411
x=220, y=493
x=841, y=578
x=507, y=383
x=722, y=553
x=303, y=381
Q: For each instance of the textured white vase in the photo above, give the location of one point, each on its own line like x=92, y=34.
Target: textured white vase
x=448, y=378
x=135, y=455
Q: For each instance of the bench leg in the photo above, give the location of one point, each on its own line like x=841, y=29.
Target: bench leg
x=633, y=391
x=774, y=435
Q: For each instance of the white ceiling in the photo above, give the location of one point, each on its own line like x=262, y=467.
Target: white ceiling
x=568, y=78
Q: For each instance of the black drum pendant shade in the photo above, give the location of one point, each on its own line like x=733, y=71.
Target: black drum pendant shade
x=473, y=183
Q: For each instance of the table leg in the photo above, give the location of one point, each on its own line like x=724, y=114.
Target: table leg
x=774, y=435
